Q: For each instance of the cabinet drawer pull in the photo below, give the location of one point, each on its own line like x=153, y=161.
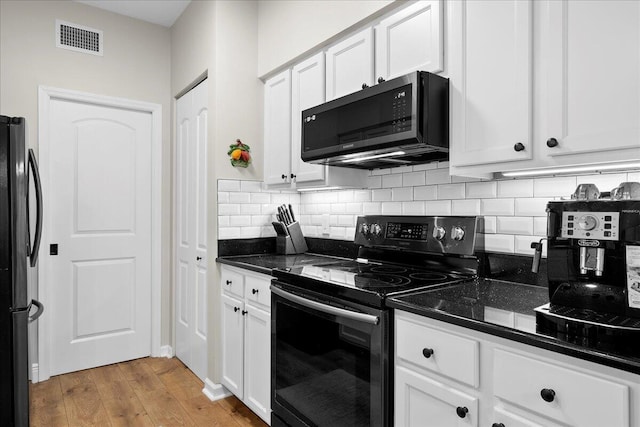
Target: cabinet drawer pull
x=235, y=309
x=547, y=394
x=380, y=79
x=254, y=291
x=462, y=411
x=284, y=176
x=519, y=146
x=293, y=176
x=364, y=85
x=427, y=352
x=552, y=142
x=228, y=282
x=244, y=312
x=497, y=425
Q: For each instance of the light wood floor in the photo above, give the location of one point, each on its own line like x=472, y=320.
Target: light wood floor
x=143, y=392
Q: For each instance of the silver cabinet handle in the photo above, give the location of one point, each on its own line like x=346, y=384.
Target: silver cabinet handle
x=348, y=314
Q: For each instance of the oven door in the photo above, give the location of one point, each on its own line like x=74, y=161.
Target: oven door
x=329, y=361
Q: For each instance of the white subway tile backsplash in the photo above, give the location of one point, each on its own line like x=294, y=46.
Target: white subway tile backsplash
x=362, y=196
x=633, y=177
x=451, y=191
x=345, y=196
x=425, y=166
x=402, y=194
x=250, y=209
x=239, y=198
x=412, y=179
x=380, y=172
x=531, y=207
x=353, y=208
x=390, y=181
x=438, y=207
x=515, y=188
x=280, y=198
x=523, y=245
x=499, y=243
x=402, y=169
x=496, y=207
x=338, y=207
x=239, y=220
x=540, y=226
x=347, y=220
x=481, y=190
x=223, y=220
x=229, y=233
x=443, y=165
x=554, y=187
x=374, y=181
x=381, y=195
x=228, y=185
x=228, y=209
x=438, y=176
x=260, y=198
x=465, y=207
x=391, y=208
x=488, y=224
x=413, y=208
x=427, y=192
x=514, y=225
x=252, y=231
x=223, y=197
x=261, y=220
x=337, y=233
x=251, y=186
x=372, y=208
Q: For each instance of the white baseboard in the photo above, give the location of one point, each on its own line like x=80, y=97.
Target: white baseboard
x=35, y=373
x=166, y=351
x=215, y=391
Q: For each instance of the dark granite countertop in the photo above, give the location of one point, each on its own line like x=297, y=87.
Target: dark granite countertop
x=265, y=263
x=503, y=309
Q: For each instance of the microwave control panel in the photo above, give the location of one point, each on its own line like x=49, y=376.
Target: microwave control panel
x=401, y=108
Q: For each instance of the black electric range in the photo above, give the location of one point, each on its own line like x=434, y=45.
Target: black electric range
x=331, y=329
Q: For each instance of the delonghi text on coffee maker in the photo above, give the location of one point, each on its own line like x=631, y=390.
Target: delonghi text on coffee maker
x=593, y=269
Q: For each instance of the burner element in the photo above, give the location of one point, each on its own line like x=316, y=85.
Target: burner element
x=429, y=277
x=370, y=280
x=387, y=269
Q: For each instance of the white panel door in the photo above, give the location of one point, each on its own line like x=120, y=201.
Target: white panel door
x=191, y=230
x=307, y=90
x=277, y=129
x=593, y=78
x=410, y=40
x=100, y=201
x=350, y=64
x=491, y=81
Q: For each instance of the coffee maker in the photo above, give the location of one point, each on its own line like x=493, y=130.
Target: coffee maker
x=593, y=270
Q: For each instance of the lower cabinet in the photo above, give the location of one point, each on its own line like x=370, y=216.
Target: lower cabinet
x=246, y=338
x=519, y=385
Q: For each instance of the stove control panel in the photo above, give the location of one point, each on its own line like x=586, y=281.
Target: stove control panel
x=449, y=235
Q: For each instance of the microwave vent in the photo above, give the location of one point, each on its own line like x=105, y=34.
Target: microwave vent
x=78, y=38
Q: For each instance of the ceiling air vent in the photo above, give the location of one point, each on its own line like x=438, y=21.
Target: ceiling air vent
x=76, y=37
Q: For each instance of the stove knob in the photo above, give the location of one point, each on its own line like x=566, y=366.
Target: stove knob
x=457, y=233
x=587, y=222
x=365, y=229
x=439, y=233
x=376, y=230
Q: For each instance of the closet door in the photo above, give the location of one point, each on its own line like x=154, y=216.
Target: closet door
x=191, y=230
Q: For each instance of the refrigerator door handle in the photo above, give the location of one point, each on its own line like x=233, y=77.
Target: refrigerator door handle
x=39, y=306
x=33, y=256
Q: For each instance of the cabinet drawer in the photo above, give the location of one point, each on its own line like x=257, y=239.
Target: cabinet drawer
x=257, y=290
x=575, y=398
x=232, y=282
x=438, y=351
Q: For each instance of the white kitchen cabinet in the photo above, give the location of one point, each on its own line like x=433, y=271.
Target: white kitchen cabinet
x=277, y=129
x=584, y=70
x=592, y=97
x=421, y=401
x=512, y=379
x=246, y=338
x=490, y=70
x=350, y=64
x=409, y=40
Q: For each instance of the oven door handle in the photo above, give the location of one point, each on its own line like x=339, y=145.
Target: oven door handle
x=329, y=309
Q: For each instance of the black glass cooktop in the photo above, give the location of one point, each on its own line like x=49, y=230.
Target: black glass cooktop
x=367, y=281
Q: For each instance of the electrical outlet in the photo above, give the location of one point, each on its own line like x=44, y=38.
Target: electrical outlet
x=325, y=224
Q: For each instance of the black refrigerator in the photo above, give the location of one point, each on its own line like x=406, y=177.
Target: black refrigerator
x=17, y=254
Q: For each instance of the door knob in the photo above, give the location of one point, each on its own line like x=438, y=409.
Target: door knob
x=198, y=258
x=519, y=146
x=552, y=142
x=284, y=176
x=427, y=352
x=547, y=394
x=462, y=411
x=364, y=85
x=228, y=282
x=254, y=291
x=235, y=309
x=380, y=79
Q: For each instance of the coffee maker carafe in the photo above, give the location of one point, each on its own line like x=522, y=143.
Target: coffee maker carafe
x=593, y=270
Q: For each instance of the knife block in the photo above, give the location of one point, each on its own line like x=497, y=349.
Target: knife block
x=294, y=243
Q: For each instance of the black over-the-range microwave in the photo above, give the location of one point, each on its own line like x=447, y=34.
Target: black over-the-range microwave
x=398, y=122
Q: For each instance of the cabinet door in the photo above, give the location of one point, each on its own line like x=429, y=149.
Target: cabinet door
x=350, y=64
x=490, y=81
x=420, y=401
x=410, y=40
x=503, y=418
x=277, y=129
x=257, y=365
x=593, y=78
x=232, y=344
x=307, y=90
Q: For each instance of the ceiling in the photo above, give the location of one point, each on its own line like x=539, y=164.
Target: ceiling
x=161, y=12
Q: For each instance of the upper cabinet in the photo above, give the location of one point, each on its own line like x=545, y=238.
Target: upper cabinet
x=410, y=40
x=490, y=81
x=350, y=64
x=277, y=129
x=560, y=85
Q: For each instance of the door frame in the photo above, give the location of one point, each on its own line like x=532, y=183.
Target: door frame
x=41, y=368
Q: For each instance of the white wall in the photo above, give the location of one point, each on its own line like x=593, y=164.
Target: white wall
x=135, y=65
x=290, y=29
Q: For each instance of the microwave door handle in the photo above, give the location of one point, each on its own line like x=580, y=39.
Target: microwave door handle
x=38, y=185
x=341, y=312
